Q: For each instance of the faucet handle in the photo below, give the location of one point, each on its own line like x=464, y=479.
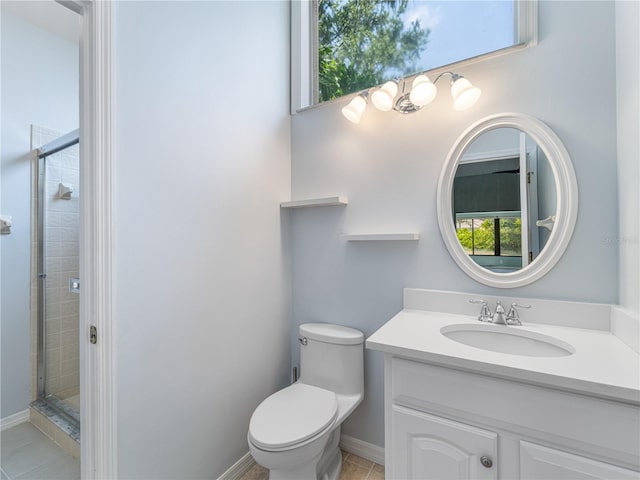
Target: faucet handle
x=485, y=313
x=520, y=305
x=513, y=318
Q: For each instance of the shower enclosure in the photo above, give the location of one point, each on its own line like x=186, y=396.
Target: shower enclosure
x=55, y=283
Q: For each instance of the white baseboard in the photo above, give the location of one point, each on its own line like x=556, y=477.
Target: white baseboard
x=238, y=469
x=362, y=449
x=15, y=419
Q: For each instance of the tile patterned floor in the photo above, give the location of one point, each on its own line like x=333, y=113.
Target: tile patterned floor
x=27, y=453
x=353, y=468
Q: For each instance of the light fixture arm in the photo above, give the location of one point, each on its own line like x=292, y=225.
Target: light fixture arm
x=454, y=77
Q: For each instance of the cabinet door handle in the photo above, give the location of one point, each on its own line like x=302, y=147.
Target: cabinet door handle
x=486, y=461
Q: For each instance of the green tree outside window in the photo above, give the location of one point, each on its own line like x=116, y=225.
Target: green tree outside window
x=363, y=43
x=477, y=236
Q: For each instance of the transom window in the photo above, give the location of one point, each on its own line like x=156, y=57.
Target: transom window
x=356, y=44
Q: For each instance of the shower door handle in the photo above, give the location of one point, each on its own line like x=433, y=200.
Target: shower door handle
x=74, y=285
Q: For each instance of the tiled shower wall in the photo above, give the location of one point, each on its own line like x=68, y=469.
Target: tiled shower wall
x=62, y=362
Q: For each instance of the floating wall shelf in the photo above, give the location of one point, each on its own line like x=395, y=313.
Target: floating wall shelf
x=376, y=237
x=315, y=202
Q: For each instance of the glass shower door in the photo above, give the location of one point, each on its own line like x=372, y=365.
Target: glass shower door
x=58, y=252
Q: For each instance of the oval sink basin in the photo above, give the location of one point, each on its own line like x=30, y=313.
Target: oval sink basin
x=506, y=339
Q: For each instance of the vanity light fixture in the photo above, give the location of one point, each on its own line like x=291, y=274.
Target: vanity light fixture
x=382, y=98
x=353, y=111
x=423, y=91
x=464, y=94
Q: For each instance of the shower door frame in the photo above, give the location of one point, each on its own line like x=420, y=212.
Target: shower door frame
x=98, y=448
x=51, y=148
x=40, y=267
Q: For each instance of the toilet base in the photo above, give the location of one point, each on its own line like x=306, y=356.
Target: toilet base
x=307, y=472
x=300, y=463
x=330, y=463
x=333, y=468
x=318, y=464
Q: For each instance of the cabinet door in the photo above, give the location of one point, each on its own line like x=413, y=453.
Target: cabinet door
x=428, y=447
x=540, y=463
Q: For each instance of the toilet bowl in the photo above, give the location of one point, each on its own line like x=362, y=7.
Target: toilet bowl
x=296, y=431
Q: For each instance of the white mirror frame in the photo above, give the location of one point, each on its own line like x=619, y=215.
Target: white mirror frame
x=566, y=198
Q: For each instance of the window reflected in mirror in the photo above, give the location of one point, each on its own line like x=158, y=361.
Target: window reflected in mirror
x=502, y=188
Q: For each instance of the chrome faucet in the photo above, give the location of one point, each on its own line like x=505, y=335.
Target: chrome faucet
x=499, y=317
x=513, y=318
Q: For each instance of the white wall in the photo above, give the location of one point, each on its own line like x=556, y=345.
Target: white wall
x=389, y=164
x=628, y=124
x=202, y=274
x=39, y=86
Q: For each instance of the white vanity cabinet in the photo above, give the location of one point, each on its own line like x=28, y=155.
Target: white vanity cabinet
x=428, y=446
x=538, y=462
x=447, y=423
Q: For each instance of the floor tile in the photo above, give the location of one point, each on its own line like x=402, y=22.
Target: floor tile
x=61, y=468
x=29, y=456
x=18, y=436
x=363, y=462
x=353, y=471
x=256, y=472
x=353, y=468
x=373, y=475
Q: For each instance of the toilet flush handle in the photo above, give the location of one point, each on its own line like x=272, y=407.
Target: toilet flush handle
x=303, y=340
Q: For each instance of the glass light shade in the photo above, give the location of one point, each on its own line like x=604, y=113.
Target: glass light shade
x=354, y=109
x=383, y=97
x=422, y=91
x=464, y=94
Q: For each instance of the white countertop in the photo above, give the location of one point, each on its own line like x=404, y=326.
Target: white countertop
x=601, y=365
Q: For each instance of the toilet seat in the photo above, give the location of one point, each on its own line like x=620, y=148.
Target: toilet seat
x=292, y=416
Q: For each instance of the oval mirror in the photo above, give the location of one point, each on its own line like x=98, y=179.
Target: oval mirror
x=507, y=200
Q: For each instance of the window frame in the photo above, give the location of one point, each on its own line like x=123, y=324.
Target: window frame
x=304, y=48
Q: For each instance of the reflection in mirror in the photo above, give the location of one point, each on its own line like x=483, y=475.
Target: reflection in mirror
x=542, y=192
x=503, y=191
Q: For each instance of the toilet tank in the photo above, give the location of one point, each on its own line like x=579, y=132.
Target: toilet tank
x=331, y=357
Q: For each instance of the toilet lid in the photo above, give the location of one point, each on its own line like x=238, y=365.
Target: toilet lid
x=292, y=416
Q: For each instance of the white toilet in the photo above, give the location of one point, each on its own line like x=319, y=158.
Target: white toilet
x=295, y=432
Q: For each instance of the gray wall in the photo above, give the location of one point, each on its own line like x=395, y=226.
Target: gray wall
x=628, y=79
x=389, y=164
x=201, y=268
x=39, y=86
